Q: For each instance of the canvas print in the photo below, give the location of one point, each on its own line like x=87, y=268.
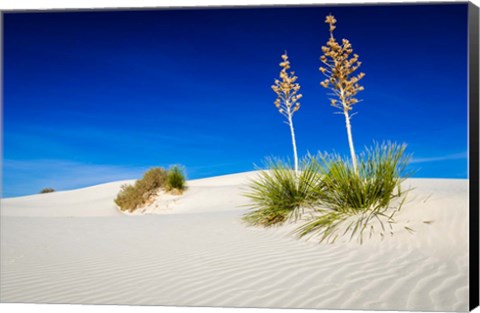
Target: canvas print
x=272, y=157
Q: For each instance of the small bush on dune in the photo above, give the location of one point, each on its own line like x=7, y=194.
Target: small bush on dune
x=175, y=179
x=129, y=198
x=279, y=194
x=134, y=196
x=354, y=200
x=47, y=190
x=152, y=180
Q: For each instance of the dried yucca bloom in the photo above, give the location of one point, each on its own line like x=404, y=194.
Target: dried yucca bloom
x=287, y=90
x=339, y=69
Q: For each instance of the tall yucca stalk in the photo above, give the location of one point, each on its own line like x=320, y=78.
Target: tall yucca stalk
x=339, y=70
x=287, y=100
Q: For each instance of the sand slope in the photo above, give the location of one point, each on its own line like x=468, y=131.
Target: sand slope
x=75, y=247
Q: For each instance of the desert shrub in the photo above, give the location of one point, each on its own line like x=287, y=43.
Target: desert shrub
x=134, y=196
x=129, y=198
x=278, y=194
x=47, y=190
x=175, y=179
x=355, y=199
x=152, y=180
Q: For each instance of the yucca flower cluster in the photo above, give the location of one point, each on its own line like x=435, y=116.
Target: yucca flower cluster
x=340, y=66
x=287, y=90
x=287, y=103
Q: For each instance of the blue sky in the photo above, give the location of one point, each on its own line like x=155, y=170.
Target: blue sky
x=93, y=97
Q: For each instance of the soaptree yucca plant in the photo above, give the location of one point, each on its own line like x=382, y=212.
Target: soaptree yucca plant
x=287, y=103
x=339, y=68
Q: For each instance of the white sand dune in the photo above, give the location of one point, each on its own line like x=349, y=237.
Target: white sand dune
x=75, y=247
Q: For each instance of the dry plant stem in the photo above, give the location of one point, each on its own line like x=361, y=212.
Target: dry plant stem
x=294, y=143
x=350, y=141
x=347, y=124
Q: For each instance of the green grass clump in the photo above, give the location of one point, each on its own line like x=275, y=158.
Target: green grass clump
x=355, y=200
x=134, y=196
x=338, y=200
x=175, y=179
x=278, y=194
x=47, y=190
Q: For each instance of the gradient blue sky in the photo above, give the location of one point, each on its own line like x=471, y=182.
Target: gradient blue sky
x=92, y=97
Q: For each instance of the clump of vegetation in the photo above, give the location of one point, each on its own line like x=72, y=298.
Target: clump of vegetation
x=287, y=100
x=350, y=200
x=47, y=190
x=152, y=180
x=131, y=197
x=279, y=194
x=341, y=197
x=175, y=180
x=330, y=196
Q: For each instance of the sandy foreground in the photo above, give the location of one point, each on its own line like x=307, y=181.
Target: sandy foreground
x=76, y=247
